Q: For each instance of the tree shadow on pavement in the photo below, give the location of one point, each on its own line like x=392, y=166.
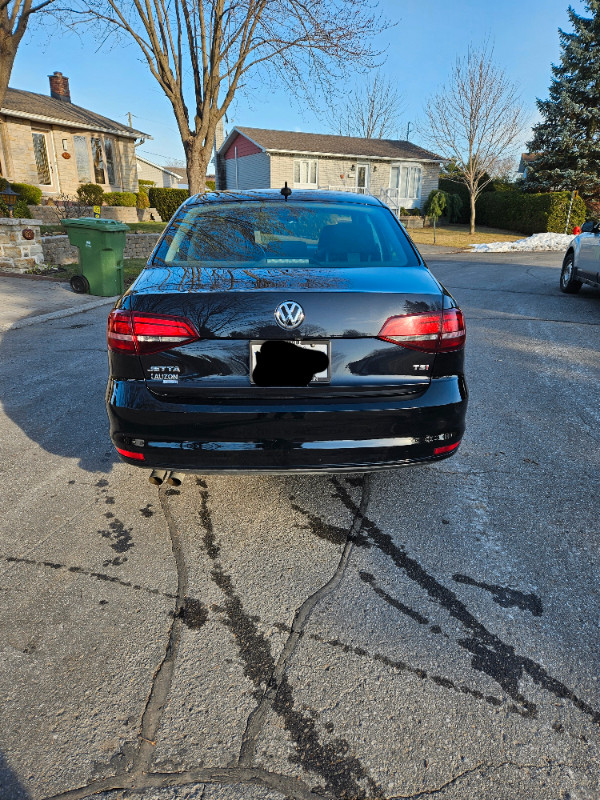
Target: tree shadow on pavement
x=10, y=786
x=52, y=384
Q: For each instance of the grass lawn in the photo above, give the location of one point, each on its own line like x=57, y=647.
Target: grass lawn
x=142, y=227
x=458, y=235
x=131, y=269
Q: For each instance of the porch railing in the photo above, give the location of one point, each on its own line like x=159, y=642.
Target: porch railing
x=391, y=197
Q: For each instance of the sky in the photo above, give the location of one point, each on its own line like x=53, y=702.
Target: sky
x=419, y=51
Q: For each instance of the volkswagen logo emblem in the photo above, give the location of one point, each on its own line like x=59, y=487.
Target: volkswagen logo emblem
x=289, y=315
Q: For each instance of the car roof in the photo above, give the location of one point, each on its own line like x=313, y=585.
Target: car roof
x=275, y=196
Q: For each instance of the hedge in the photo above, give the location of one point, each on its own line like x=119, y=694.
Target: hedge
x=90, y=194
x=455, y=187
x=31, y=195
x=123, y=199
x=530, y=213
x=167, y=201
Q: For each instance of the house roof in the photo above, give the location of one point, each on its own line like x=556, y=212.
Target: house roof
x=326, y=144
x=181, y=172
x=168, y=170
x=30, y=105
x=526, y=159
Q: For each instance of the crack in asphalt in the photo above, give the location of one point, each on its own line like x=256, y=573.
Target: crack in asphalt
x=256, y=719
x=481, y=767
x=438, y=789
x=341, y=772
x=419, y=672
x=289, y=787
x=163, y=677
x=344, y=775
x=100, y=576
x=490, y=654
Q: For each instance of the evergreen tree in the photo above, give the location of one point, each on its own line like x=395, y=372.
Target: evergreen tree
x=567, y=142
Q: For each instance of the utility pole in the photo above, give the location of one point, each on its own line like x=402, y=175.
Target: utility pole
x=407, y=131
x=130, y=122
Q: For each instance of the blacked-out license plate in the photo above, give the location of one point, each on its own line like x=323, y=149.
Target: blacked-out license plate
x=322, y=347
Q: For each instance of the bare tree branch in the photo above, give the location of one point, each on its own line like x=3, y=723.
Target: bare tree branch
x=15, y=16
x=201, y=52
x=475, y=120
x=371, y=111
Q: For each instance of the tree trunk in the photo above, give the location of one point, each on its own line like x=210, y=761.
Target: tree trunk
x=472, y=199
x=8, y=51
x=197, y=156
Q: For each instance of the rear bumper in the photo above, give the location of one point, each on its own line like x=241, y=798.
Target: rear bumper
x=341, y=435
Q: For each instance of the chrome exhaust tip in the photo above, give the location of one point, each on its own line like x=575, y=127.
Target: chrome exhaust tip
x=157, y=477
x=175, y=479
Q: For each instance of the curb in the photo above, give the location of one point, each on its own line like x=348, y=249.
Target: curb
x=64, y=312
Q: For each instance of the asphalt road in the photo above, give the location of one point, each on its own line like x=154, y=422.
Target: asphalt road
x=431, y=631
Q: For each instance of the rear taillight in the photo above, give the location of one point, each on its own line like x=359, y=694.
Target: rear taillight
x=136, y=332
x=440, y=332
x=131, y=454
x=447, y=448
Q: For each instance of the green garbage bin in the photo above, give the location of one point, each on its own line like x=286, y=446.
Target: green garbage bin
x=101, y=243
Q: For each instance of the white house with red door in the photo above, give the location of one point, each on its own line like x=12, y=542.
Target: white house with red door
x=399, y=172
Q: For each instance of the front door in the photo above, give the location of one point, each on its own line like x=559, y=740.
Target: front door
x=362, y=178
x=42, y=153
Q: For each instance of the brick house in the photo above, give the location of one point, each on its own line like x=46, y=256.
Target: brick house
x=52, y=143
x=399, y=172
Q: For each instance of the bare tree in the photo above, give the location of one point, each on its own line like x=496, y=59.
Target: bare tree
x=370, y=112
x=15, y=15
x=201, y=52
x=475, y=121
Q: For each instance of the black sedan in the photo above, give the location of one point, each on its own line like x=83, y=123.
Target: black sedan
x=275, y=333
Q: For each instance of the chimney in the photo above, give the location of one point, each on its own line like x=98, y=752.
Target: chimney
x=59, y=87
x=219, y=135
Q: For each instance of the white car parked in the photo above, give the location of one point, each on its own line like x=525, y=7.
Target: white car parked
x=581, y=263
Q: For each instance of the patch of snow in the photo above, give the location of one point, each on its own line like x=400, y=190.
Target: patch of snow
x=539, y=241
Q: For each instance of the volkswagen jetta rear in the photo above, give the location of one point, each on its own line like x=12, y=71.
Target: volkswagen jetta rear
x=269, y=334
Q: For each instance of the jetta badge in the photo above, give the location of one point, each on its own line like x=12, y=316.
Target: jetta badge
x=289, y=315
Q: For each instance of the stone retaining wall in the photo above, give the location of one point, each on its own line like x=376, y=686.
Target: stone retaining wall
x=50, y=216
x=19, y=252
x=58, y=251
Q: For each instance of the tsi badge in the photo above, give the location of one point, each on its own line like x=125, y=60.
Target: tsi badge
x=165, y=374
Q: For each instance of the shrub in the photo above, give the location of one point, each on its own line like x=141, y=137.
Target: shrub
x=31, y=195
x=167, y=201
x=142, y=200
x=211, y=185
x=3, y=207
x=90, y=194
x=530, y=213
x=124, y=199
x=21, y=210
x=145, y=185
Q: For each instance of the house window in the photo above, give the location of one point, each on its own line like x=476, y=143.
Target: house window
x=82, y=159
x=98, y=160
x=42, y=163
x=305, y=172
x=406, y=178
x=109, y=151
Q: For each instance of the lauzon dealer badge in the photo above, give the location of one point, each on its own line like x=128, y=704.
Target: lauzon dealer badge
x=165, y=374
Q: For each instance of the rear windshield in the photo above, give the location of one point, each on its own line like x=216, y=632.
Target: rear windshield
x=285, y=234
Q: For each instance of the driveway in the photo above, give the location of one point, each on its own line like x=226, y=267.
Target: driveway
x=431, y=631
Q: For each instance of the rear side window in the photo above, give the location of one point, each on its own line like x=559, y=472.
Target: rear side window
x=285, y=234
